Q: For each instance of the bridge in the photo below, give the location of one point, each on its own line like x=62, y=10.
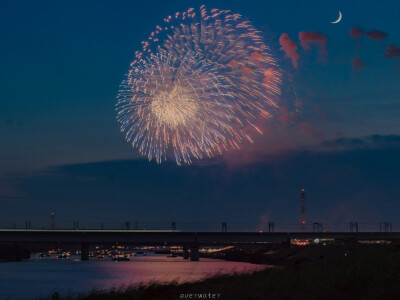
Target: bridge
x=188, y=240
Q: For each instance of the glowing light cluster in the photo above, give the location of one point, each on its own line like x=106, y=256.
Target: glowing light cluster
x=198, y=86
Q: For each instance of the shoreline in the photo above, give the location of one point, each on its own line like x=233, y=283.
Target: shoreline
x=367, y=272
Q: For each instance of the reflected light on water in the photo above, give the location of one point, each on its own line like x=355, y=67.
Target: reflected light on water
x=45, y=276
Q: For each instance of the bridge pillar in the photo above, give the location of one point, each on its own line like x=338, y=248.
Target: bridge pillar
x=271, y=227
x=224, y=227
x=388, y=227
x=194, y=253
x=317, y=227
x=84, y=251
x=353, y=226
x=185, y=253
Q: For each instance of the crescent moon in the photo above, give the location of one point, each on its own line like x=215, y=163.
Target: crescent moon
x=339, y=19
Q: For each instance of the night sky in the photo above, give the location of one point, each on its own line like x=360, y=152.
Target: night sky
x=62, y=150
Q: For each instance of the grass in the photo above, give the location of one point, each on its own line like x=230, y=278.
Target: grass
x=365, y=272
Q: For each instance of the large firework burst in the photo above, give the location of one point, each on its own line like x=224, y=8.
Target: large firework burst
x=197, y=87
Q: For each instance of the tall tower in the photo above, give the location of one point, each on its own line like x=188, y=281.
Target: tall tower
x=303, y=223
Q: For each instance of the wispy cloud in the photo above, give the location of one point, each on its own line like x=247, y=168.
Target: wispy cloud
x=357, y=63
x=290, y=48
x=376, y=35
x=307, y=38
x=392, y=51
x=356, y=32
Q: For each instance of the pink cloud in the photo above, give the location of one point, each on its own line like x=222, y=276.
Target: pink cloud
x=392, y=51
x=318, y=109
x=357, y=63
x=309, y=37
x=376, y=35
x=356, y=32
x=307, y=129
x=338, y=134
x=289, y=47
x=284, y=118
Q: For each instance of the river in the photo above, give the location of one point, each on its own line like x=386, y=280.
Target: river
x=41, y=277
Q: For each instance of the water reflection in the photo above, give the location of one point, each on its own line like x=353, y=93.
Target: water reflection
x=40, y=277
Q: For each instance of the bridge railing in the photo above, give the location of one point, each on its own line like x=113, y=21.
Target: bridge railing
x=205, y=226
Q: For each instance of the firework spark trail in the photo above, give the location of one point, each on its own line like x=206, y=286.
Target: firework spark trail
x=197, y=85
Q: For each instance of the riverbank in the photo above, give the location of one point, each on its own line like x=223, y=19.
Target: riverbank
x=331, y=272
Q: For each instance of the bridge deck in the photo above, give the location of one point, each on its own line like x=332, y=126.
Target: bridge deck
x=171, y=237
